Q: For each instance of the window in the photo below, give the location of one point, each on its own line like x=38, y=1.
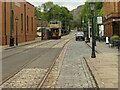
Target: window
x=12, y=22
x=27, y=24
x=21, y=22
x=32, y=23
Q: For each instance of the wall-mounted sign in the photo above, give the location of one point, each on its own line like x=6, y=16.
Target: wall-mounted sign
x=99, y=20
x=116, y=20
x=18, y=4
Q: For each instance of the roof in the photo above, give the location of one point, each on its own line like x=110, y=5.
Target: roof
x=29, y=3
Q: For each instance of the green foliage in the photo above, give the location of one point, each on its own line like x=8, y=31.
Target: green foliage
x=47, y=6
x=114, y=37
x=49, y=11
x=86, y=13
x=37, y=12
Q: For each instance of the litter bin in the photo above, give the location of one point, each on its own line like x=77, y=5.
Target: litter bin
x=11, y=41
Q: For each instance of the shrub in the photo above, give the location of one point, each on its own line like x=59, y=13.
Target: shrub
x=114, y=37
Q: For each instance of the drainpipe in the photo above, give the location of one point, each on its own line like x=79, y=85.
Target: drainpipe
x=11, y=25
x=5, y=22
x=25, y=20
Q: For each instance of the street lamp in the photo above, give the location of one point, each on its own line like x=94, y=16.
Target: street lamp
x=92, y=8
x=16, y=20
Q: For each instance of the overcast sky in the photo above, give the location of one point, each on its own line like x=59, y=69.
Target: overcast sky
x=70, y=4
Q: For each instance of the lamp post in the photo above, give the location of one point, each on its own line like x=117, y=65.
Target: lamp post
x=92, y=7
x=16, y=20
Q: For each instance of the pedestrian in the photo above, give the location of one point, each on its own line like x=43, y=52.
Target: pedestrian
x=100, y=35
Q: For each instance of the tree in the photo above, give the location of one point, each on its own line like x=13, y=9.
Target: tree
x=54, y=13
x=47, y=6
x=86, y=11
x=37, y=12
x=49, y=11
x=60, y=13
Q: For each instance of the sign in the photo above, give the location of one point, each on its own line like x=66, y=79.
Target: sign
x=116, y=20
x=18, y=4
x=99, y=20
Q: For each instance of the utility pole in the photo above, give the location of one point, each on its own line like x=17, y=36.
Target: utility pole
x=95, y=24
x=92, y=7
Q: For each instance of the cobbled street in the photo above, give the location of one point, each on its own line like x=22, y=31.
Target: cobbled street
x=70, y=69
x=74, y=72
x=67, y=44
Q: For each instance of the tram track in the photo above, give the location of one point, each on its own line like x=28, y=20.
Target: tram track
x=26, y=48
x=29, y=62
x=40, y=85
x=87, y=73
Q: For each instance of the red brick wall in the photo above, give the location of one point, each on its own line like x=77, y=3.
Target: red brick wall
x=1, y=22
x=7, y=22
x=119, y=8
x=110, y=10
x=30, y=14
x=19, y=12
x=18, y=9
x=110, y=7
x=43, y=24
x=108, y=30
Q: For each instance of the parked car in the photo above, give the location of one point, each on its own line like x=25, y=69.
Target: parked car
x=79, y=36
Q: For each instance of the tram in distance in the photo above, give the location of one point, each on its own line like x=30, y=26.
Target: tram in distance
x=55, y=28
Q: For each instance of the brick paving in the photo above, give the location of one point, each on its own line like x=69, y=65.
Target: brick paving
x=105, y=66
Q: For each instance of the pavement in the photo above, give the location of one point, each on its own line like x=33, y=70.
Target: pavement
x=74, y=72
x=38, y=39
x=104, y=67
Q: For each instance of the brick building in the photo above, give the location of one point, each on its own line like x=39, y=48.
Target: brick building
x=18, y=21
x=111, y=19
x=0, y=23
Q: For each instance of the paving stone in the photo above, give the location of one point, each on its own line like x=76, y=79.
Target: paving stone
x=74, y=71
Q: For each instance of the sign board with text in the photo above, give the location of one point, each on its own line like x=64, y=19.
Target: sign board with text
x=99, y=20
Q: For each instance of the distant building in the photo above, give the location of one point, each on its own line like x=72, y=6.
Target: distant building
x=24, y=28
x=111, y=18
x=42, y=24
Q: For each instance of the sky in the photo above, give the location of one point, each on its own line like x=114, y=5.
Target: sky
x=70, y=4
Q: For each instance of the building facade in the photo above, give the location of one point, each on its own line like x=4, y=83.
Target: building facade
x=111, y=18
x=0, y=23
x=18, y=22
